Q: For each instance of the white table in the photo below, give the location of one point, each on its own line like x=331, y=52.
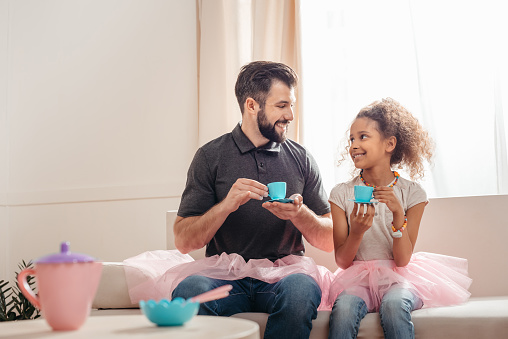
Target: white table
x=135, y=326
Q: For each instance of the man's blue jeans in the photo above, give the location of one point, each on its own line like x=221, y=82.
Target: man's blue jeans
x=291, y=302
x=395, y=313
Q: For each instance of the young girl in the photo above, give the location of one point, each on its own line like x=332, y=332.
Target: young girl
x=374, y=242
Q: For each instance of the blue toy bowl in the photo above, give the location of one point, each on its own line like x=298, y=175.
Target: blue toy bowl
x=169, y=313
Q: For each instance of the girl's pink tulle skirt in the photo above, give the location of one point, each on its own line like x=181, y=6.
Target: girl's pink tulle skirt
x=439, y=280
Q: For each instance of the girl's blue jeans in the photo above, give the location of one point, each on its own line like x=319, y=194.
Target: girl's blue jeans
x=291, y=302
x=395, y=313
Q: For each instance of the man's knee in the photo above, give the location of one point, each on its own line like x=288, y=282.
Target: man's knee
x=192, y=286
x=299, y=291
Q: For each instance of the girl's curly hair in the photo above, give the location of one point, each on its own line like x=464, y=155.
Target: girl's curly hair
x=414, y=144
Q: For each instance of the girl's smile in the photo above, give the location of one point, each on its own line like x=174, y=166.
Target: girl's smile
x=357, y=156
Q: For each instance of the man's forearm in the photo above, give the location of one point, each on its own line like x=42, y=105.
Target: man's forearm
x=193, y=233
x=318, y=230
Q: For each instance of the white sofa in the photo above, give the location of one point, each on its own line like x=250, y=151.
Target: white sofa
x=469, y=227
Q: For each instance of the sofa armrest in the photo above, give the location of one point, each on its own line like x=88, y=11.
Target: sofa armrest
x=112, y=291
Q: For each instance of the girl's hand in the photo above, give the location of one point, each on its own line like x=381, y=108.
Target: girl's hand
x=385, y=195
x=361, y=222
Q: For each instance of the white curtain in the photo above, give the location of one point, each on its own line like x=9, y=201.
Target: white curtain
x=444, y=60
x=233, y=33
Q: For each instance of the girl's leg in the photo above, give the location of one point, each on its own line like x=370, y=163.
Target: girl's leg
x=395, y=312
x=348, y=310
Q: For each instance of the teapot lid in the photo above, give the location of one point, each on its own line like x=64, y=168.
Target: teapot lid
x=65, y=256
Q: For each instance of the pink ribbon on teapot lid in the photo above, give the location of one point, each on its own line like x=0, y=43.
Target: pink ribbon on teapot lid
x=65, y=256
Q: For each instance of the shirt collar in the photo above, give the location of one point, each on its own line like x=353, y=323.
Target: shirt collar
x=245, y=145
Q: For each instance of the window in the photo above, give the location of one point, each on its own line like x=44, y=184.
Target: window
x=446, y=61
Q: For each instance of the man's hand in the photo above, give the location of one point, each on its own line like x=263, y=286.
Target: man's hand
x=242, y=191
x=316, y=229
x=285, y=211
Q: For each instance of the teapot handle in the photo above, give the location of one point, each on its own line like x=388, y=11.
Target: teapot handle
x=25, y=287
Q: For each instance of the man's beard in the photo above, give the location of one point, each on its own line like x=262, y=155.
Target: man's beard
x=267, y=130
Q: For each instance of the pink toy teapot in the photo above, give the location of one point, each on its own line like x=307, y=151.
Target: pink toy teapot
x=67, y=283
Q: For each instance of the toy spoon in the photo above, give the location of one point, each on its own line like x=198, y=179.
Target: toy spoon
x=216, y=293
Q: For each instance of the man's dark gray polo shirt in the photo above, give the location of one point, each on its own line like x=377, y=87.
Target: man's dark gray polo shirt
x=252, y=231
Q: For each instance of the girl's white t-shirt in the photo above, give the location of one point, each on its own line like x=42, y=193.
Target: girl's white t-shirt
x=377, y=242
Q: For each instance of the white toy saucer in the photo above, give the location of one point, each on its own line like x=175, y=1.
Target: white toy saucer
x=365, y=202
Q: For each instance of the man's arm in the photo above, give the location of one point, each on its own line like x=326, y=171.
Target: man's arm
x=318, y=230
x=195, y=232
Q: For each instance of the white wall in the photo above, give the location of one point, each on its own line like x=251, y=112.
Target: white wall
x=4, y=139
x=99, y=116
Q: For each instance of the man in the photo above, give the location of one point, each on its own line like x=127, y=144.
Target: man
x=221, y=205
